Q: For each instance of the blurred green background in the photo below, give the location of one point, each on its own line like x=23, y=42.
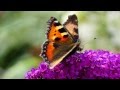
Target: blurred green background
x=23, y=32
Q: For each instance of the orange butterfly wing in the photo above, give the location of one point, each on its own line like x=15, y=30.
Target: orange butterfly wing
x=56, y=36
x=60, y=40
x=56, y=32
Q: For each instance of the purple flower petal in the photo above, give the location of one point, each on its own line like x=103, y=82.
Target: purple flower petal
x=43, y=66
x=91, y=64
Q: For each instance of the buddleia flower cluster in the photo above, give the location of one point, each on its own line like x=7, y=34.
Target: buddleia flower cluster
x=90, y=64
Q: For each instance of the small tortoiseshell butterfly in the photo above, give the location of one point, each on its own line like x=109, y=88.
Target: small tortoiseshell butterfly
x=61, y=40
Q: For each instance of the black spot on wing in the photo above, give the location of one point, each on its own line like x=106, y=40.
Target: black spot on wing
x=62, y=30
x=57, y=39
x=76, y=30
x=65, y=36
x=57, y=24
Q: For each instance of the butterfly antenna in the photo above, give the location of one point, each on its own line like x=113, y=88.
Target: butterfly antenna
x=83, y=45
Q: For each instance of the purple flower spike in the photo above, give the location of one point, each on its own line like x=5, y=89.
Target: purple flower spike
x=92, y=64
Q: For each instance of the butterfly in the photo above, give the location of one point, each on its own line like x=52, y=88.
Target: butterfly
x=62, y=39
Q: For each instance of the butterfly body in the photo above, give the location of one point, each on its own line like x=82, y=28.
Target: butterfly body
x=61, y=40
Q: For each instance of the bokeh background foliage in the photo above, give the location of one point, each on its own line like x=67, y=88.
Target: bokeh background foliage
x=23, y=32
